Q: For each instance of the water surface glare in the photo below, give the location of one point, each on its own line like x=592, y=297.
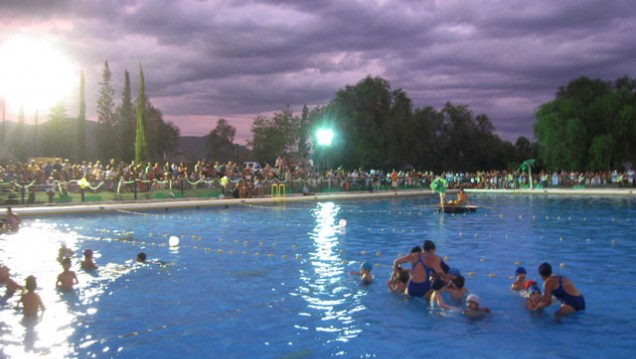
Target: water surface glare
x=273, y=281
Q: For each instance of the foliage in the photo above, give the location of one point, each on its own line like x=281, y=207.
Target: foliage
x=272, y=137
x=590, y=125
x=220, y=142
x=126, y=123
x=81, y=122
x=58, y=132
x=162, y=138
x=105, y=116
x=141, y=146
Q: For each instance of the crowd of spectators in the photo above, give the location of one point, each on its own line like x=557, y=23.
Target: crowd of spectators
x=61, y=176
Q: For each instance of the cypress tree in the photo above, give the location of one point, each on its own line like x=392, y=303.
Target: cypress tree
x=141, y=146
x=81, y=122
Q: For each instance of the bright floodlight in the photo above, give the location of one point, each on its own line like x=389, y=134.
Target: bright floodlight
x=324, y=137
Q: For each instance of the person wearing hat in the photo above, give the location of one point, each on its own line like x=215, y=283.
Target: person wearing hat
x=520, y=281
x=473, y=308
x=533, y=301
x=365, y=272
x=88, y=263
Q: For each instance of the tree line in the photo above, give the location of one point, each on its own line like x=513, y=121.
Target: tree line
x=590, y=125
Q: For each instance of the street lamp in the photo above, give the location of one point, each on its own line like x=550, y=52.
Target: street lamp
x=324, y=136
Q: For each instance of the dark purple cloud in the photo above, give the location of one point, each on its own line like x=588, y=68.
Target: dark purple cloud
x=205, y=60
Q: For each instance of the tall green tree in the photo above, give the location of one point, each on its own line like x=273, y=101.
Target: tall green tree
x=162, y=137
x=220, y=142
x=141, y=146
x=304, y=133
x=107, y=133
x=275, y=136
x=126, y=122
x=590, y=125
x=18, y=140
x=81, y=122
x=57, y=132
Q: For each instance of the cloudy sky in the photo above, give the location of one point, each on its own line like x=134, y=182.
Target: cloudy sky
x=205, y=60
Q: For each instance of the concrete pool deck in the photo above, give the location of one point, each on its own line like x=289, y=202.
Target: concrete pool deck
x=104, y=207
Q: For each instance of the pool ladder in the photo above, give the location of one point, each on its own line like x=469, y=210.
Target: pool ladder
x=279, y=193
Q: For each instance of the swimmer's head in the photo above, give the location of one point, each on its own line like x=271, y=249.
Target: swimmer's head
x=141, y=257
x=367, y=265
x=520, y=270
x=416, y=249
x=472, y=298
x=437, y=284
x=459, y=281
x=428, y=245
x=404, y=276
x=534, y=289
x=31, y=283
x=66, y=262
x=529, y=283
x=545, y=269
x=88, y=252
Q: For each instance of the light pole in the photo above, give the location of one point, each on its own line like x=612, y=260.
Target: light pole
x=324, y=136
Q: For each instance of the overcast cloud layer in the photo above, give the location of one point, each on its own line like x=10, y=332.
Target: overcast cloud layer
x=205, y=60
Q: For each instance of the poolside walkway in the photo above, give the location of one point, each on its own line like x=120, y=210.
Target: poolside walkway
x=181, y=203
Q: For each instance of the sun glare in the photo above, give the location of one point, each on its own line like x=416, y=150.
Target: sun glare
x=34, y=74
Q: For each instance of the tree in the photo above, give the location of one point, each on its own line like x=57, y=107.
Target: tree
x=18, y=140
x=81, y=122
x=107, y=137
x=220, y=142
x=304, y=133
x=141, y=146
x=590, y=125
x=57, y=132
x=272, y=137
x=161, y=137
x=126, y=123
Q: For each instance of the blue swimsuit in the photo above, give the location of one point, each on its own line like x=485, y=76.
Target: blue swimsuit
x=576, y=302
x=416, y=289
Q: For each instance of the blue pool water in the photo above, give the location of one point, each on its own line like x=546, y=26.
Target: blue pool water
x=273, y=282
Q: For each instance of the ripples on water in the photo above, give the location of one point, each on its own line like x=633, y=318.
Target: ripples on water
x=260, y=281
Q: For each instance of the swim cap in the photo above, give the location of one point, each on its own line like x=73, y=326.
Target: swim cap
x=367, y=265
x=455, y=272
x=88, y=252
x=529, y=283
x=520, y=270
x=472, y=298
x=534, y=288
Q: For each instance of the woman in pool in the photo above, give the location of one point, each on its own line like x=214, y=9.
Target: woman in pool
x=423, y=265
x=555, y=285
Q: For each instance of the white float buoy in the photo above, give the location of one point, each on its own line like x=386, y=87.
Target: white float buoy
x=343, y=223
x=173, y=241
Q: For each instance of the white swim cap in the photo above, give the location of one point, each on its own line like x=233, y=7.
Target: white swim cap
x=472, y=298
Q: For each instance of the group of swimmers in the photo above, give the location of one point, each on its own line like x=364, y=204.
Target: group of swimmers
x=30, y=300
x=429, y=276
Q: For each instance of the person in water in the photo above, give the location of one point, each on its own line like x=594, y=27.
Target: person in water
x=9, y=283
x=31, y=301
x=67, y=278
x=436, y=295
x=399, y=280
x=364, y=273
x=11, y=221
x=456, y=288
x=533, y=301
x=423, y=265
x=474, y=308
x=88, y=263
x=561, y=288
x=520, y=281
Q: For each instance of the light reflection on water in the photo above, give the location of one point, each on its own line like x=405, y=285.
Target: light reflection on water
x=34, y=251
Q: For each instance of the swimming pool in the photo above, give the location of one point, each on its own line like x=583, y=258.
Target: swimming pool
x=272, y=281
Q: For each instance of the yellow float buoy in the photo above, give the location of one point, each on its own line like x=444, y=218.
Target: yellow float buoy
x=517, y=263
x=562, y=265
x=492, y=275
x=471, y=274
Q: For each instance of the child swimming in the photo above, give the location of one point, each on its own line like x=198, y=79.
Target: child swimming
x=364, y=273
x=520, y=281
x=473, y=308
